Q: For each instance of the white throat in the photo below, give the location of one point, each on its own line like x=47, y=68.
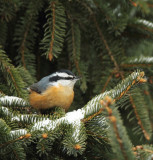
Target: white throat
x=68, y=83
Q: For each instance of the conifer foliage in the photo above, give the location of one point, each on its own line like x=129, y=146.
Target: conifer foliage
x=109, y=45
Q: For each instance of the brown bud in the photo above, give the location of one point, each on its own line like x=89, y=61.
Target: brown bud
x=50, y=56
x=28, y=135
x=108, y=100
x=77, y=147
x=109, y=110
x=44, y=135
x=142, y=80
x=21, y=137
x=139, y=147
x=112, y=118
x=135, y=153
x=142, y=74
x=102, y=102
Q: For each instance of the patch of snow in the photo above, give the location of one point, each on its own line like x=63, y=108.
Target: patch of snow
x=145, y=22
x=12, y=99
x=19, y=131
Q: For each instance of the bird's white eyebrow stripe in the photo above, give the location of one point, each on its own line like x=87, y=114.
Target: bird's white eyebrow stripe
x=61, y=75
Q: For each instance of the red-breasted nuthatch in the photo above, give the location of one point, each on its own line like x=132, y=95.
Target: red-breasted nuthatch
x=55, y=90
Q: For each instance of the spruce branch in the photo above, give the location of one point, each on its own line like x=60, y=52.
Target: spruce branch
x=8, y=141
x=3, y=33
x=146, y=23
x=7, y=13
x=106, y=44
x=26, y=76
x=118, y=91
x=22, y=47
x=12, y=101
x=143, y=152
x=141, y=114
x=54, y=30
x=106, y=83
x=74, y=141
x=23, y=135
x=25, y=36
x=75, y=32
x=148, y=100
x=102, y=42
x=93, y=108
x=141, y=61
x=12, y=76
x=50, y=54
x=102, y=36
x=120, y=142
x=74, y=46
x=71, y=126
x=143, y=26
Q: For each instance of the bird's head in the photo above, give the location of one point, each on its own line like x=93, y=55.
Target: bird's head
x=64, y=78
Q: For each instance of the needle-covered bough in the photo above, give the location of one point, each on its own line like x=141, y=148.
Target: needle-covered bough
x=71, y=130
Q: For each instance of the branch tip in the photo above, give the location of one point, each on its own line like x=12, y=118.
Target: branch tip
x=77, y=147
x=28, y=135
x=44, y=135
x=106, y=101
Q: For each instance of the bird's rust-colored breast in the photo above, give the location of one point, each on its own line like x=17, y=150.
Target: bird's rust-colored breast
x=59, y=96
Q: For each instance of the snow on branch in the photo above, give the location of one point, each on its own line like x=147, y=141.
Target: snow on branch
x=5, y=111
x=11, y=100
x=92, y=106
x=18, y=132
x=141, y=59
x=75, y=117
x=145, y=22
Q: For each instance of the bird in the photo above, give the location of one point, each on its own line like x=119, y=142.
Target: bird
x=54, y=90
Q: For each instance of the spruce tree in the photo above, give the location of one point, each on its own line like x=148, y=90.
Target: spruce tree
x=107, y=43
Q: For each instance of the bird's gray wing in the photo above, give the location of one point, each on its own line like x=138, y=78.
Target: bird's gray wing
x=36, y=88
x=40, y=86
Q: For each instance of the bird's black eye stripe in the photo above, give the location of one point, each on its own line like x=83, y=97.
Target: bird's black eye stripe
x=68, y=78
x=56, y=78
